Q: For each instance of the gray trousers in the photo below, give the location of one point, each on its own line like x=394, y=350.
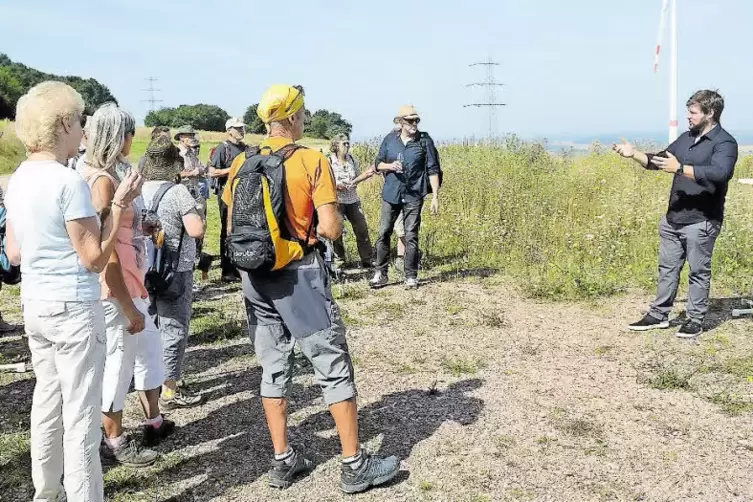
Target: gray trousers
x=172, y=317
x=295, y=306
x=678, y=243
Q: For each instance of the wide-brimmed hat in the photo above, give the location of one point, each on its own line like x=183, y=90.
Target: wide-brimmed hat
x=234, y=122
x=406, y=112
x=185, y=129
x=162, y=160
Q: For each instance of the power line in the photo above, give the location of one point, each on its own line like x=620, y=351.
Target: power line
x=152, y=99
x=490, y=101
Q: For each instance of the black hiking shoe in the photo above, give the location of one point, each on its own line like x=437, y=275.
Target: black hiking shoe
x=647, y=323
x=130, y=454
x=281, y=474
x=378, y=281
x=153, y=437
x=690, y=329
x=373, y=471
x=181, y=399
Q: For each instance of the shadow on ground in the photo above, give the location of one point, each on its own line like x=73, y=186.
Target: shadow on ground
x=720, y=311
x=242, y=454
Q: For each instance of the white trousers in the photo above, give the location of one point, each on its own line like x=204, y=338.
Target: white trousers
x=67, y=343
x=130, y=357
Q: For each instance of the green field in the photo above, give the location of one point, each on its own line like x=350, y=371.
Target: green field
x=561, y=226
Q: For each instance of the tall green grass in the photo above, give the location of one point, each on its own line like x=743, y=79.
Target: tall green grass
x=564, y=227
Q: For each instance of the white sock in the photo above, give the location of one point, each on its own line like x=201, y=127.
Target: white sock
x=286, y=456
x=355, y=461
x=155, y=422
x=115, y=443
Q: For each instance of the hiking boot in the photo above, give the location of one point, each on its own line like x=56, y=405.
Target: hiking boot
x=379, y=280
x=690, y=329
x=411, y=283
x=153, y=437
x=130, y=454
x=647, y=323
x=281, y=474
x=181, y=399
x=373, y=471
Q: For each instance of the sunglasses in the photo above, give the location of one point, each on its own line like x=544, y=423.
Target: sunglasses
x=346, y=143
x=82, y=119
x=411, y=121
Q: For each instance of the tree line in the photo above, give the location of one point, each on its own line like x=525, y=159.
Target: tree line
x=322, y=124
x=17, y=78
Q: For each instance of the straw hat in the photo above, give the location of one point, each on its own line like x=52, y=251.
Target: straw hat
x=163, y=161
x=406, y=112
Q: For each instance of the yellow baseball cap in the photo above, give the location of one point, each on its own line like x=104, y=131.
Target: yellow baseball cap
x=280, y=102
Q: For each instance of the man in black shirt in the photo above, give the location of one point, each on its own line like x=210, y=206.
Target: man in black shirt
x=219, y=167
x=702, y=162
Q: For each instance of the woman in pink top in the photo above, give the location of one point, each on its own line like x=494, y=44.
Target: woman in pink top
x=134, y=346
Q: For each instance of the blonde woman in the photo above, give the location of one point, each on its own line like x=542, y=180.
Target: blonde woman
x=134, y=347
x=345, y=168
x=54, y=233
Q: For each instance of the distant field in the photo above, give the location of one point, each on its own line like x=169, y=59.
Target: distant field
x=12, y=152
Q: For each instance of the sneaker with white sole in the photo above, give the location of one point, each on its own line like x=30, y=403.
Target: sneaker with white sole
x=411, y=283
x=690, y=329
x=648, y=322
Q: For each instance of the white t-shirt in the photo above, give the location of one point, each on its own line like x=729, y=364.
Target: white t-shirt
x=42, y=196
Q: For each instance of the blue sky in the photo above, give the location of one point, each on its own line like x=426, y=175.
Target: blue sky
x=575, y=68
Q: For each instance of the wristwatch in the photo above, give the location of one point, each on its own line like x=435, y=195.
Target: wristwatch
x=680, y=170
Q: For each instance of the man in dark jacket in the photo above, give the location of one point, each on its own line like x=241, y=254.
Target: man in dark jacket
x=410, y=162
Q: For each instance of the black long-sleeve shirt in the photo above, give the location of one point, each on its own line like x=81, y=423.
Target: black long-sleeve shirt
x=713, y=157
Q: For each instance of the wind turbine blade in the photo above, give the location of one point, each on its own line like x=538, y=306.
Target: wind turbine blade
x=660, y=37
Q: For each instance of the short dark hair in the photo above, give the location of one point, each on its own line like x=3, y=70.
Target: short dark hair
x=709, y=102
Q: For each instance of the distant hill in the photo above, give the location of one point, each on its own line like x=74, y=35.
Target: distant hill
x=16, y=79
x=659, y=138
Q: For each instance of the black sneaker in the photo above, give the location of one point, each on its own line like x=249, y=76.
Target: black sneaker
x=281, y=474
x=152, y=436
x=374, y=471
x=181, y=399
x=378, y=281
x=129, y=455
x=647, y=323
x=690, y=329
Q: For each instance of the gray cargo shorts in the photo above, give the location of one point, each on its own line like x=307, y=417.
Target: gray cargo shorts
x=295, y=305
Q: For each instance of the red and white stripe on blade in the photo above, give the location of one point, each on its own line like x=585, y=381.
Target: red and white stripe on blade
x=662, y=27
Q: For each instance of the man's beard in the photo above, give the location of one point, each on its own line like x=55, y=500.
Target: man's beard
x=695, y=130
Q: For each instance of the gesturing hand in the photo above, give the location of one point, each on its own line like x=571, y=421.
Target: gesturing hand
x=670, y=164
x=129, y=188
x=624, y=148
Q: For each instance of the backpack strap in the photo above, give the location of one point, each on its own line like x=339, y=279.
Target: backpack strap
x=155, y=205
x=160, y=193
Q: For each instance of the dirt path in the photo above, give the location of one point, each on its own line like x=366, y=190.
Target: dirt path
x=485, y=395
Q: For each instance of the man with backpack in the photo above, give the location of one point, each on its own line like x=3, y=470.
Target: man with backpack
x=221, y=158
x=410, y=162
x=280, y=200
